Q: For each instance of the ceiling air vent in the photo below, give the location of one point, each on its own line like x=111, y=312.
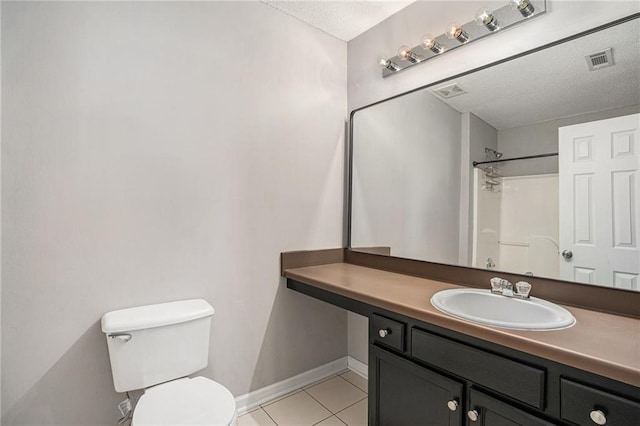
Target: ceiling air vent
x=598, y=60
x=450, y=91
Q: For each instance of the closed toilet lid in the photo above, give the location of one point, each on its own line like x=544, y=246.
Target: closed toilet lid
x=197, y=401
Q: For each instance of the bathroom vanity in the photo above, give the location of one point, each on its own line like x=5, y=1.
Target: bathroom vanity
x=554, y=211
x=426, y=367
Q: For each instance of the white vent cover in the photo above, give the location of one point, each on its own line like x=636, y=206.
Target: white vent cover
x=450, y=91
x=598, y=60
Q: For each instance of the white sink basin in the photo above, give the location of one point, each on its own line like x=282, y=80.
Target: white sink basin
x=486, y=308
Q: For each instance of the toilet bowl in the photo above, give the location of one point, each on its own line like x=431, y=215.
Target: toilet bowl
x=155, y=348
x=197, y=401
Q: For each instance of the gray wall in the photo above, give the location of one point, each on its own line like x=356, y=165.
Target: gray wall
x=476, y=136
x=541, y=138
x=406, y=178
x=365, y=84
x=154, y=152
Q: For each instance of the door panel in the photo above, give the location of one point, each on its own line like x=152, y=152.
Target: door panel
x=600, y=201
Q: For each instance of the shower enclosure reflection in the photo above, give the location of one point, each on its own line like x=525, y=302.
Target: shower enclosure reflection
x=433, y=175
x=515, y=220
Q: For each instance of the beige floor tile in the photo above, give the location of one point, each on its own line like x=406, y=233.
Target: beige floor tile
x=356, y=379
x=356, y=415
x=331, y=421
x=255, y=418
x=298, y=409
x=336, y=394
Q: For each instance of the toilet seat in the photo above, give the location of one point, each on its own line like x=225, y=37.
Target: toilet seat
x=197, y=401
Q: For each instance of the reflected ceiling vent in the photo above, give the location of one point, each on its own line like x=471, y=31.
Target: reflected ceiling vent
x=598, y=60
x=450, y=91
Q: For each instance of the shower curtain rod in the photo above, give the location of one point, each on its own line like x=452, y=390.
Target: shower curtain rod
x=528, y=157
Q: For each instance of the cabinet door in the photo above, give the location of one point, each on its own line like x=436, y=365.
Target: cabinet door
x=403, y=393
x=486, y=411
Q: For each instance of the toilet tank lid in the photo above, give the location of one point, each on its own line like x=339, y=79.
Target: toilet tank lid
x=158, y=315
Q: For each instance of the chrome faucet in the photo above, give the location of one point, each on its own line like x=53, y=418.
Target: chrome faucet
x=490, y=264
x=505, y=288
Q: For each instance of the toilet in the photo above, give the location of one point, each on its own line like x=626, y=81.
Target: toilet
x=156, y=348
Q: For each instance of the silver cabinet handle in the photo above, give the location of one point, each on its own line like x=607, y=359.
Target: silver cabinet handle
x=473, y=415
x=453, y=404
x=598, y=417
x=567, y=254
x=383, y=332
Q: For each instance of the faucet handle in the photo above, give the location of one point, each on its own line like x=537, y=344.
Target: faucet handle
x=496, y=285
x=523, y=289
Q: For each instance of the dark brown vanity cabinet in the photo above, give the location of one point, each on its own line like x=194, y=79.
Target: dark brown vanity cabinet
x=423, y=374
x=404, y=394
x=418, y=377
x=586, y=405
x=489, y=411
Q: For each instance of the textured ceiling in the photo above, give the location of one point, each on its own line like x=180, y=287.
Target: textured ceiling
x=345, y=19
x=556, y=82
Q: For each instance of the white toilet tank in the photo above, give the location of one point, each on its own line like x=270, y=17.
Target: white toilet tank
x=157, y=343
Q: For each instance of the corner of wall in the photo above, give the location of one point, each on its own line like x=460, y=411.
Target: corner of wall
x=0, y=209
x=358, y=337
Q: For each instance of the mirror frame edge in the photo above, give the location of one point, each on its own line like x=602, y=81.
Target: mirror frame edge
x=618, y=305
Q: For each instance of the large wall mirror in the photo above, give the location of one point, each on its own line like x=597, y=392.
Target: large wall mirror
x=528, y=166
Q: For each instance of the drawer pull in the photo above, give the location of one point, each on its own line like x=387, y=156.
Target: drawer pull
x=453, y=404
x=598, y=417
x=384, y=332
x=473, y=415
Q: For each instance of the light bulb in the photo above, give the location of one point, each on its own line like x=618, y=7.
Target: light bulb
x=525, y=7
x=455, y=32
x=385, y=63
x=484, y=17
x=429, y=42
x=404, y=52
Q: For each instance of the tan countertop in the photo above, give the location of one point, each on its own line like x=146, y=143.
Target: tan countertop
x=604, y=344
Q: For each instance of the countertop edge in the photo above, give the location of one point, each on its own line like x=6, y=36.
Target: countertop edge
x=603, y=367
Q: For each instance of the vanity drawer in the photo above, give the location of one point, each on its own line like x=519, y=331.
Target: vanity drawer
x=511, y=378
x=577, y=402
x=388, y=332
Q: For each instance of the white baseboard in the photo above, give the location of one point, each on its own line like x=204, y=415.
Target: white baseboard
x=358, y=367
x=251, y=400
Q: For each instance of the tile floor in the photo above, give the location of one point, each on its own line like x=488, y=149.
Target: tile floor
x=338, y=400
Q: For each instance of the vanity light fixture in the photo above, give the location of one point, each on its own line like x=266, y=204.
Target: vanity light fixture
x=429, y=42
x=489, y=21
x=525, y=7
x=484, y=17
x=455, y=31
x=386, y=63
x=404, y=52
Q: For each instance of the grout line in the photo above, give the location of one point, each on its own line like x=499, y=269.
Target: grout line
x=262, y=406
x=350, y=382
x=325, y=419
x=319, y=381
x=355, y=386
x=326, y=408
x=268, y=415
x=365, y=396
x=273, y=401
x=346, y=408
